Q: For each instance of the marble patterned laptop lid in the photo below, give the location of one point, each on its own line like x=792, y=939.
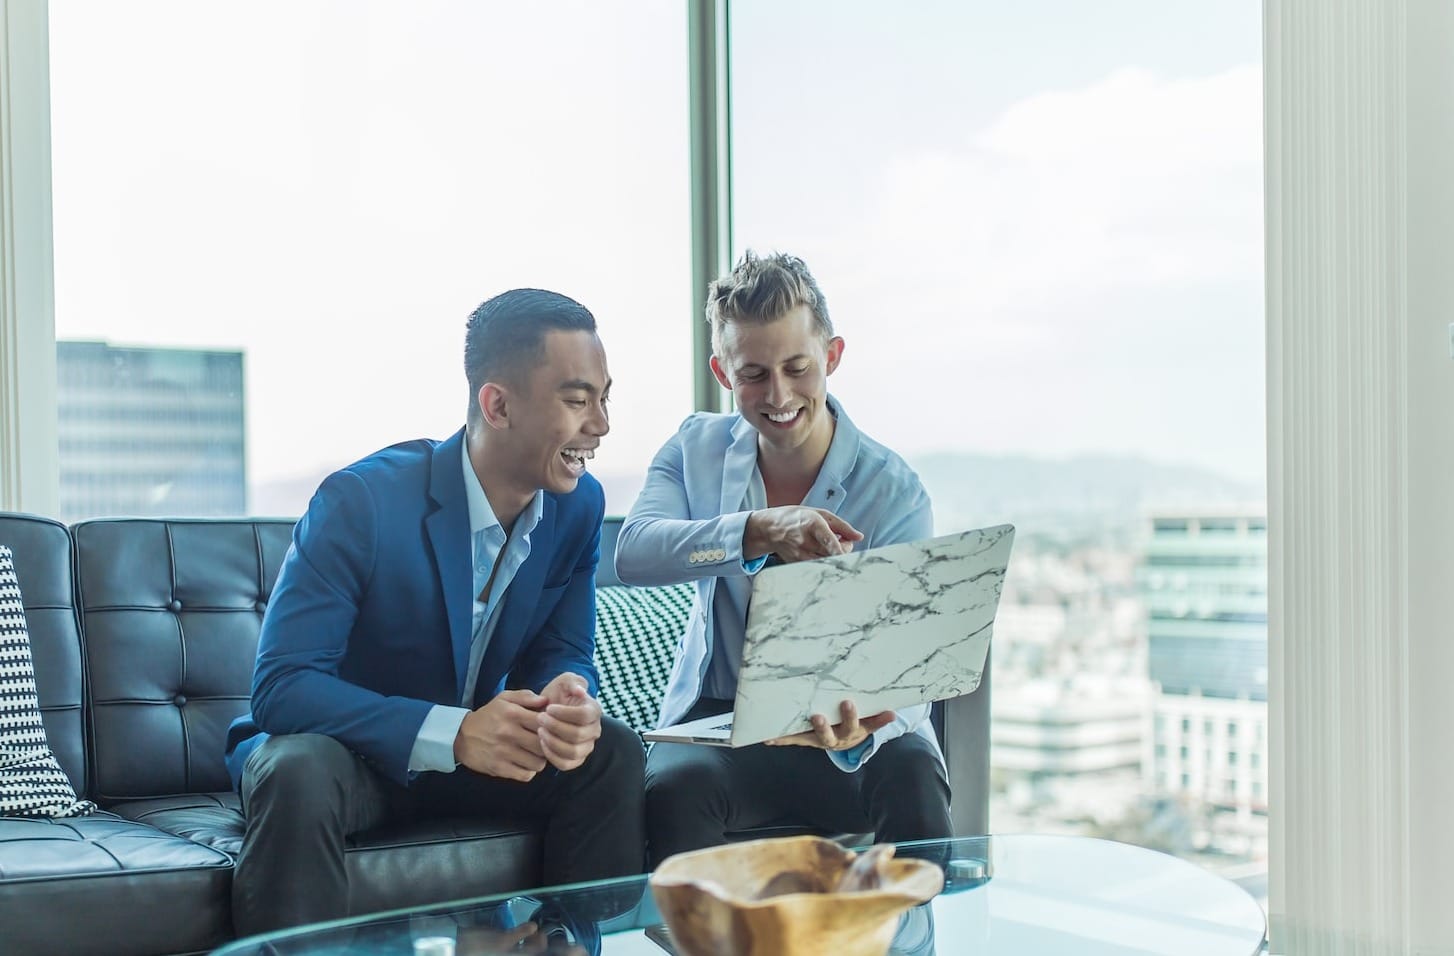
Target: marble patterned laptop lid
x=888, y=627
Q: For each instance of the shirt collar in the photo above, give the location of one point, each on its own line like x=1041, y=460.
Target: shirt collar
x=843, y=449
x=482, y=516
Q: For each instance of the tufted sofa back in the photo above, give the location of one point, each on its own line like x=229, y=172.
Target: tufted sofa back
x=171, y=611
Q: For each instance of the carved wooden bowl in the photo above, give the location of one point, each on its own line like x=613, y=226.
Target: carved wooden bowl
x=792, y=896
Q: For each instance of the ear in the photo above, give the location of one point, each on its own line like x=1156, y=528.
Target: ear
x=718, y=371
x=835, y=352
x=492, y=402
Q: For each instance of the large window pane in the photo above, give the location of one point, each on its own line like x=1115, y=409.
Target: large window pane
x=1038, y=226
x=319, y=193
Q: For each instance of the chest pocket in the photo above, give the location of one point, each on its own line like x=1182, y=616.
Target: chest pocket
x=545, y=605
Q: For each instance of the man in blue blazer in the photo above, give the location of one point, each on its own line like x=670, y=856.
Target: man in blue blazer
x=787, y=477
x=428, y=649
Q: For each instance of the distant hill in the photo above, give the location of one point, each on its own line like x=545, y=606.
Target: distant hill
x=1070, y=499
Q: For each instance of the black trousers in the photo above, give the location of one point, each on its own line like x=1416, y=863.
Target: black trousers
x=696, y=795
x=304, y=794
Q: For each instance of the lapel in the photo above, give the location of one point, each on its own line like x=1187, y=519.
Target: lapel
x=828, y=491
x=737, y=466
x=448, y=527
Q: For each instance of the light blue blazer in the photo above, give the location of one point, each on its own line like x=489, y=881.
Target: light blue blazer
x=687, y=525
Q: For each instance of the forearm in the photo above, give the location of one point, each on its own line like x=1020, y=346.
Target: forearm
x=656, y=550
x=306, y=701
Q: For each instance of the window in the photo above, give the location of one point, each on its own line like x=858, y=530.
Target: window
x=1022, y=233
x=325, y=225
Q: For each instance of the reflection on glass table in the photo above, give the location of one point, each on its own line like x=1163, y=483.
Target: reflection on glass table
x=1002, y=894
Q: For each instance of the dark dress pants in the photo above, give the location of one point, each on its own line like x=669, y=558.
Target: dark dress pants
x=696, y=795
x=304, y=794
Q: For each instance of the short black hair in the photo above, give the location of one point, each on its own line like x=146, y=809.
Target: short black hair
x=504, y=339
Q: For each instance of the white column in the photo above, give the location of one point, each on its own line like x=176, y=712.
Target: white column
x=1360, y=294
x=29, y=468
x=1430, y=430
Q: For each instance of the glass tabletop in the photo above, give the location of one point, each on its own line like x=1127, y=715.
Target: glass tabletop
x=1003, y=894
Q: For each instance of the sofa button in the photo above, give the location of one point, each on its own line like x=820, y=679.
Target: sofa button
x=260, y=606
x=179, y=700
x=175, y=605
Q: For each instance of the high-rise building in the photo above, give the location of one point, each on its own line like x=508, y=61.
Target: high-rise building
x=150, y=431
x=1204, y=579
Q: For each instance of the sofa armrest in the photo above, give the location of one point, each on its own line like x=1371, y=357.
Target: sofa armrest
x=966, y=741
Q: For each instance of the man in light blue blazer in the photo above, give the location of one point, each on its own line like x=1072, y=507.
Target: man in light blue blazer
x=786, y=478
x=428, y=649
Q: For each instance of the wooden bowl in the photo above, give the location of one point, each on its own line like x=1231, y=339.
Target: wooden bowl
x=792, y=896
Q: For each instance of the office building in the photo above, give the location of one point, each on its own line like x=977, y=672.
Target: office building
x=150, y=431
x=1204, y=580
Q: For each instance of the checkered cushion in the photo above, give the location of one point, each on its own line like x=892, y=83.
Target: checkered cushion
x=637, y=633
x=32, y=783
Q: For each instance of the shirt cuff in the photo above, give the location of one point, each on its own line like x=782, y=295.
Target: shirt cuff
x=755, y=565
x=851, y=759
x=434, y=747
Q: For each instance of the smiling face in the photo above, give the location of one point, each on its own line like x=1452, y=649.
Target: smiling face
x=542, y=430
x=778, y=372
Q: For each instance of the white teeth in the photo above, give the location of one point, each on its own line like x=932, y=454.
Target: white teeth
x=782, y=416
x=579, y=454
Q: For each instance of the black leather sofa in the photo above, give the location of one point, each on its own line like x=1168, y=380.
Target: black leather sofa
x=143, y=633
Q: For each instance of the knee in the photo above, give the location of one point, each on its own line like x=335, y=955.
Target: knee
x=300, y=770
x=620, y=752
x=906, y=774
x=675, y=783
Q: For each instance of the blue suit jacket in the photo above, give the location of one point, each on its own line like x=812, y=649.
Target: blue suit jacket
x=369, y=625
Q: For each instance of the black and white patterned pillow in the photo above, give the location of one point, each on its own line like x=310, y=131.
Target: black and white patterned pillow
x=32, y=783
x=637, y=632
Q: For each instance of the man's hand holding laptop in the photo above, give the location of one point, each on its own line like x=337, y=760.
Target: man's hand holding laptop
x=841, y=736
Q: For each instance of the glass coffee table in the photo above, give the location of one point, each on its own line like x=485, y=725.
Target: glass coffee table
x=1003, y=894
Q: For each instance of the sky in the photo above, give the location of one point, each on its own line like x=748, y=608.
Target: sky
x=1038, y=225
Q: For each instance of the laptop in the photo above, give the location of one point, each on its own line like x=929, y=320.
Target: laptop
x=888, y=627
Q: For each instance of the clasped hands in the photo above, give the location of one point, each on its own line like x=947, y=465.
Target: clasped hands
x=519, y=732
